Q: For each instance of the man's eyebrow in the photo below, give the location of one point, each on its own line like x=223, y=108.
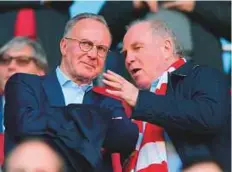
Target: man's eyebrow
x=132, y=45
x=136, y=43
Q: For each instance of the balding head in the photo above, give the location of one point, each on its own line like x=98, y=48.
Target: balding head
x=149, y=49
x=158, y=28
x=33, y=156
x=203, y=166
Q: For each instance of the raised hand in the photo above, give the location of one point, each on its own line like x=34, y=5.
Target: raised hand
x=121, y=87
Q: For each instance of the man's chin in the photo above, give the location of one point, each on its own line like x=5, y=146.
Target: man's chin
x=86, y=77
x=143, y=85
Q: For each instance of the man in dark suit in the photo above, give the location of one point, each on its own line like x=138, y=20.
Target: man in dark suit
x=191, y=102
x=65, y=108
x=18, y=55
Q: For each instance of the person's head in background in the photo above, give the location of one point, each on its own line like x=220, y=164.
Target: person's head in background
x=34, y=155
x=149, y=48
x=21, y=55
x=84, y=47
x=203, y=166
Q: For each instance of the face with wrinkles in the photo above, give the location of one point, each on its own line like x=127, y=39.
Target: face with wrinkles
x=78, y=64
x=146, y=54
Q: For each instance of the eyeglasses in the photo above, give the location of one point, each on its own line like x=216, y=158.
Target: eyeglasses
x=20, y=60
x=86, y=45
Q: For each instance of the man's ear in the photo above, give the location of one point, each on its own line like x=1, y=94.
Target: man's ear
x=63, y=46
x=168, y=48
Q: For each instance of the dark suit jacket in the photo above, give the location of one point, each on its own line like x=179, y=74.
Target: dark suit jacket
x=50, y=23
x=35, y=107
x=195, y=112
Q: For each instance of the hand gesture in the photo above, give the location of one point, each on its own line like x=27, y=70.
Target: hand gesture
x=121, y=87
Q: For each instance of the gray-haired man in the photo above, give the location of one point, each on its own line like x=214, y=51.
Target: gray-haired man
x=19, y=55
x=65, y=108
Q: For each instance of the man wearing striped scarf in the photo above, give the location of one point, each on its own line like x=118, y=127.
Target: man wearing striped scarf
x=182, y=109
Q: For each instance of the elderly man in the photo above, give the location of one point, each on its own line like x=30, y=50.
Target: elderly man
x=19, y=55
x=66, y=109
x=189, y=101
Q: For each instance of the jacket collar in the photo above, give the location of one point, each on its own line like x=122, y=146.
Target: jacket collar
x=53, y=90
x=180, y=74
x=55, y=95
x=185, y=69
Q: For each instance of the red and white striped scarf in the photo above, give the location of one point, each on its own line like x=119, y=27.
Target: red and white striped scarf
x=150, y=153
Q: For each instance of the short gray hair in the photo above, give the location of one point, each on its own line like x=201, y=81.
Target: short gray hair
x=39, y=53
x=82, y=16
x=160, y=28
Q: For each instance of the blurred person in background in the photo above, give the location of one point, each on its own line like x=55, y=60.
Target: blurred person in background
x=42, y=20
x=64, y=106
x=199, y=164
x=34, y=155
x=189, y=101
x=19, y=55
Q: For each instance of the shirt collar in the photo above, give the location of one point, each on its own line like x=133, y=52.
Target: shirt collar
x=154, y=85
x=65, y=81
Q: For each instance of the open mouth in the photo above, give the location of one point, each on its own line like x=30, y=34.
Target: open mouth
x=134, y=71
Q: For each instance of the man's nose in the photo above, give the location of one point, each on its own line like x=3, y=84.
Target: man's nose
x=130, y=57
x=12, y=66
x=93, y=53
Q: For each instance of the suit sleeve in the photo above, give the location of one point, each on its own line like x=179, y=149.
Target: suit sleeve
x=122, y=134
x=22, y=110
x=205, y=112
x=214, y=16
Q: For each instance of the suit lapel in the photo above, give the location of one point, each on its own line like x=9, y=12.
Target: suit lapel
x=55, y=95
x=53, y=90
x=92, y=97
